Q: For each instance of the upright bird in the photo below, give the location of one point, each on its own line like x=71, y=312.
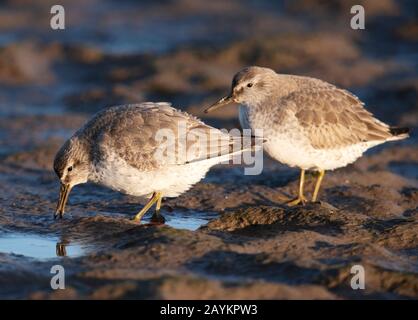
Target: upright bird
x=147, y=150
x=307, y=123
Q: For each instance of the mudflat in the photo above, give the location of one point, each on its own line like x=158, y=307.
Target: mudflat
x=231, y=236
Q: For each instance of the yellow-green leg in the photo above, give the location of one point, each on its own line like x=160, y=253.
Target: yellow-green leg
x=158, y=206
x=157, y=217
x=318, y=185
x=301, y=198
x=155, y=198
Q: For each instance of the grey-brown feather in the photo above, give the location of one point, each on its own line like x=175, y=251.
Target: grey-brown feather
x=130, y=131
x=333, y=118
x=328, y=117
x=74, y=150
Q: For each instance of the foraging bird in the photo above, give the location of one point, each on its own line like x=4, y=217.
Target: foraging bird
x=307, y=123
x=146, y=150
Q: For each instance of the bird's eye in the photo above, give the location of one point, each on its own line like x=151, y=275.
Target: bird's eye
x=70, y=169
x=249, y=85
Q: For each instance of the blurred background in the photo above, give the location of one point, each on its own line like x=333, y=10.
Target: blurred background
x=186, y=52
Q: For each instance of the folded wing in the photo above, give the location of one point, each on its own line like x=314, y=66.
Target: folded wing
x=151, y=135
x=333, y=118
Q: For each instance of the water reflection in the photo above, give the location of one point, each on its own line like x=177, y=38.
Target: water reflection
x=45, y=247
x=61, y=249
x=38, y=246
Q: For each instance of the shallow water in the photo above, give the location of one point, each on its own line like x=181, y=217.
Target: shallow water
x=37, y=246
x=49, y=247
x=186, y=220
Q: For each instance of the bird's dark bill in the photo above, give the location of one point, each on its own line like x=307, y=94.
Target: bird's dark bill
x=63, y=197
x=223, y=102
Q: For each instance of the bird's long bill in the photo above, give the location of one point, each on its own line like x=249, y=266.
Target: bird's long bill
x=64, y=192
x=223, y=102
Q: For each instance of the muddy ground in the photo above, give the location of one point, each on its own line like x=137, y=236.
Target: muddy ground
x=231, y=236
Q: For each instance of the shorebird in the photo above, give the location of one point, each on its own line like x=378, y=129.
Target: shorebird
x=147, y=150
x=307, y=123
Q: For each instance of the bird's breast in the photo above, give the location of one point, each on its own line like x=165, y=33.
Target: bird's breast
x=172, y=180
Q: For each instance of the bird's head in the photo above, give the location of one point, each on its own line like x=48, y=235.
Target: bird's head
x=250, y=86
x=71, y=165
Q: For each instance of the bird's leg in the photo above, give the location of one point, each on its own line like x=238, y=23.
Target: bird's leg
x=318, y=184
x=301, y=198
x=60, y=249
x=160, y=199
x=148, y=205
x=157, y=217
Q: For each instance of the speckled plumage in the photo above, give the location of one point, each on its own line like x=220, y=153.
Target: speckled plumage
x=130, y=131
x=119, y=146
x=307, y=122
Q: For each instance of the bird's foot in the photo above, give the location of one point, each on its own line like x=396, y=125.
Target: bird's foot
x=58, y=215
x=299, y=200
x=157, y=218
x=140, y=214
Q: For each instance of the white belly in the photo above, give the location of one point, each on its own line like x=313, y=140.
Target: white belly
x=291, y=147
x=171, y=181
x=297, y=154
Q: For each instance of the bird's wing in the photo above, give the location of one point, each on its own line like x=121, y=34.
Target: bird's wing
x=152, y=135
x=333, y=118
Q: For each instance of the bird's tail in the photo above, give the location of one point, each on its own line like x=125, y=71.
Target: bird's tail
x=237, y=146
x=398, y=133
